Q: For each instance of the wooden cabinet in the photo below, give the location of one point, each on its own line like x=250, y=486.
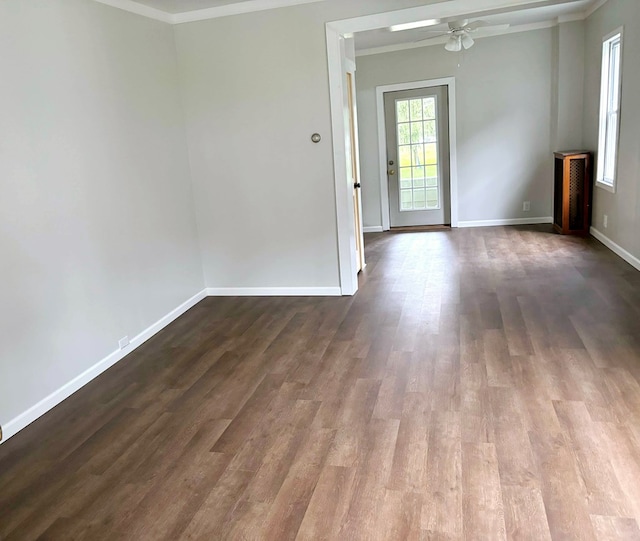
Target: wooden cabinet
x=572, y=189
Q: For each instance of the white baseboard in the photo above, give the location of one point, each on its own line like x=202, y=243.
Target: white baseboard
x=616, y=248
x=274, y=292
x=26, y=418
x=372, y=229
x=508, y=221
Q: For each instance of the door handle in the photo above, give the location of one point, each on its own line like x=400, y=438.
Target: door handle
x=357, y=185
x=391, y=172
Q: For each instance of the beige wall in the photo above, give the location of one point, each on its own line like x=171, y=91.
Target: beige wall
x=504, y=91
x=97, y=231
x=97, y=219
x=570, y=86
x=623, y=207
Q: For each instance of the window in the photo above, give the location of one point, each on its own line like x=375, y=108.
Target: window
x=609, y=110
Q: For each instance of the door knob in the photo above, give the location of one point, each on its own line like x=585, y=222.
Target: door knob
x=391, y=172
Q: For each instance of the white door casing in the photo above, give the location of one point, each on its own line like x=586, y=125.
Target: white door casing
x=450, y=83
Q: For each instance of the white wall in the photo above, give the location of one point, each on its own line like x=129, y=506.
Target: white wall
x=97, y=230
x=623, y=207
x=255, y=89
x=504, y=92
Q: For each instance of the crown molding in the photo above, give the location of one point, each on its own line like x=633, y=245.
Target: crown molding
x=239, y=8
x=250, y=6
x=443, y=40
x=597, y=4
x=582, y=15
x=572, y=18
x=139, y=9
x=236, y=9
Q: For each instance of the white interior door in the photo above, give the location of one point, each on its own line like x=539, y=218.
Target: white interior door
x=355, y=170
x=417, y=133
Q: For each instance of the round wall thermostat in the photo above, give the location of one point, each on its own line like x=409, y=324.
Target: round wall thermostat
x=316, y=138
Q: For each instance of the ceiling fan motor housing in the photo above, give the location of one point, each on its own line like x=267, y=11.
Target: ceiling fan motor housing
x=458, y=25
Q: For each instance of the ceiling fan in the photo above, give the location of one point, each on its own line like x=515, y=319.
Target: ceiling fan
x=459, y=33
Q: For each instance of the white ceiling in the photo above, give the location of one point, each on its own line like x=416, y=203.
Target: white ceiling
x=180, y=6
x=173, y=7
x=383, y=39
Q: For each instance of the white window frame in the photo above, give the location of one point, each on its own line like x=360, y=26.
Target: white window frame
x=607, y=109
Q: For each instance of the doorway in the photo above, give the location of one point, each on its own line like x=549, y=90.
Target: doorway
x=417, y=137
x=448, y=190
x=336, y=32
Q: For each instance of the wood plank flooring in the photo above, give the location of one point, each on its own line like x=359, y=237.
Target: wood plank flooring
x=483, y=384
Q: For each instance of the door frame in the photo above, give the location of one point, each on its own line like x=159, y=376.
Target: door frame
x=450, y=83
x=336, y=32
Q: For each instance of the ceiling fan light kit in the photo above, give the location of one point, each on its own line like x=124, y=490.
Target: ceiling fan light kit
x=467, y=41
x=454, y=44
x=457, y=43
x=459, y=34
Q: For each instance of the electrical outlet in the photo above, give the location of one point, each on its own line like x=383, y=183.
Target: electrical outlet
x=123, y=342
x=605, y=221
x=526, y=206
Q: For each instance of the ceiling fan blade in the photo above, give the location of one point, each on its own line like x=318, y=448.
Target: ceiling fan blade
x=474, y=25
x=432, y=37
x=490, y=28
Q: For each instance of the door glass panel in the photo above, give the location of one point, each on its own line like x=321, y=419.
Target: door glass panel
x=402, y=110
x=406, y=200
x=419, y=199
x=405, y=177
x=419, y=180
x=432, y=198
x=429, y=108
x=418, y=175
x=417, y=155
x=404, y=134
x=430, y=131
x=404, y=154
x=431, y=153
x=415, y=109
x=416, y=133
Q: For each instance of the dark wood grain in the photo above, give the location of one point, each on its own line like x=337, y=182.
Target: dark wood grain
x=482, y=384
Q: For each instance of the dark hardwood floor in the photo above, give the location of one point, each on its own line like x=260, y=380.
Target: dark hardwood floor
x=483, y=384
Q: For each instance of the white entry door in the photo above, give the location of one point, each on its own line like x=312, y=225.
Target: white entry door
x=417, y=132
